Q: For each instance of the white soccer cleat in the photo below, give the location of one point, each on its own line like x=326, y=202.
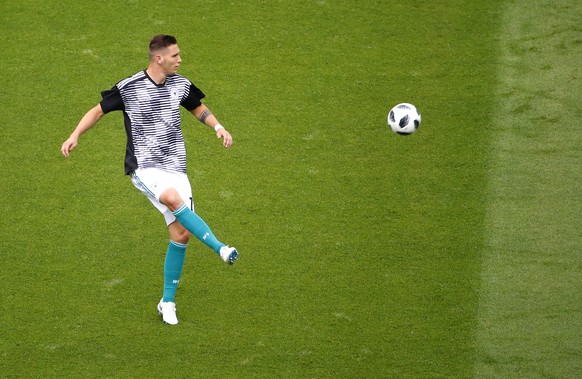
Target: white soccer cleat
x=168, y=312
x=228, y=254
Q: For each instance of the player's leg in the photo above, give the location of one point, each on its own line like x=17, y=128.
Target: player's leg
x=173, y=271
x=196, y=225
x=174, y=260
x=168, y=192
x=190, y=220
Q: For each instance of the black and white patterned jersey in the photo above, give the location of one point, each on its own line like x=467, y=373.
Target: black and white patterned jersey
x=151, y=115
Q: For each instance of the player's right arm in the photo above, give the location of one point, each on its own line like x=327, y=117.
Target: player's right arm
x=87, y=122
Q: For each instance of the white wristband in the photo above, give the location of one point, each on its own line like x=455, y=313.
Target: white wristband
x=217, y=127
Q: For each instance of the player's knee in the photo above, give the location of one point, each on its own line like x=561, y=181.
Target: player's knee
x=182, y=237
x=171, y=199
x=178, y=233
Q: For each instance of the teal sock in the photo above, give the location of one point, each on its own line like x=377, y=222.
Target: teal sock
x=195, y=225
x=173, y=269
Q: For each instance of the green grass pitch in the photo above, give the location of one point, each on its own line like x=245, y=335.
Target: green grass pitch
x=453, y=252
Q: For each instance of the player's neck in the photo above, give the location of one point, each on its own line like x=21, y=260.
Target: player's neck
x=157, y=76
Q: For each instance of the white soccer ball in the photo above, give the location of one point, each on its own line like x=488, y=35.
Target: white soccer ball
x=404, y=119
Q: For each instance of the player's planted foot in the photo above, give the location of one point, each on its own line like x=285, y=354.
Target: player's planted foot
x=168, y=312
x=228, y=254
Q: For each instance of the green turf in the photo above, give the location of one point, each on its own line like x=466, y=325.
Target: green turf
x=363, y=253
x=531, y=304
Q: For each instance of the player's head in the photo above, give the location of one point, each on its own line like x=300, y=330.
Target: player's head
x=159, y=43
x=164, y=51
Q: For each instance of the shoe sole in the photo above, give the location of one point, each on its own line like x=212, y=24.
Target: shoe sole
x=233, y=257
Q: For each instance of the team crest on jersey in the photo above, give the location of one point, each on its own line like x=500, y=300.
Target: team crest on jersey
x=174, y=95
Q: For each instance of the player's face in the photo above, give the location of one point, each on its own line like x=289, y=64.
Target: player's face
x=171, y=59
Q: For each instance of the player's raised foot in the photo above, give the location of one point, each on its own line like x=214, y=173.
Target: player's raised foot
x=168, y=312
x=228, y=254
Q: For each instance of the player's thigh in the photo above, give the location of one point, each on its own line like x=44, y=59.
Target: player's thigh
x=154, y=182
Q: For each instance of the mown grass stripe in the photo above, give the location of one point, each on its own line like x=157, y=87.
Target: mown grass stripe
x=531, y=298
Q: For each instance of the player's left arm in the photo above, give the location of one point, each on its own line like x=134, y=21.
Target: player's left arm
x=205, y=116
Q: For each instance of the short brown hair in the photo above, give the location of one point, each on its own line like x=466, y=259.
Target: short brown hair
x=160, y=42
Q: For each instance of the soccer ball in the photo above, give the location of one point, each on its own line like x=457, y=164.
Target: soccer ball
x=404, y=119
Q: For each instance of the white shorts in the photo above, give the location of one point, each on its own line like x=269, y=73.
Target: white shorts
x=152, y=182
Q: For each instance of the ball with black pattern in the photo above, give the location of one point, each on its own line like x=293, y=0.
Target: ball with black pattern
x=404, y=119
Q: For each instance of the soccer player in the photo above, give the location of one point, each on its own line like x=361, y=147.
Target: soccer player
x=155, y=156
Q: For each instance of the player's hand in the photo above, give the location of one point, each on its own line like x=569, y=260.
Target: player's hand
x=226, y=137
x=68, y=145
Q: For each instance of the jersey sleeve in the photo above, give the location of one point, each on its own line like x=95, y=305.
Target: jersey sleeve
x=111, y=100
x=192, y=98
